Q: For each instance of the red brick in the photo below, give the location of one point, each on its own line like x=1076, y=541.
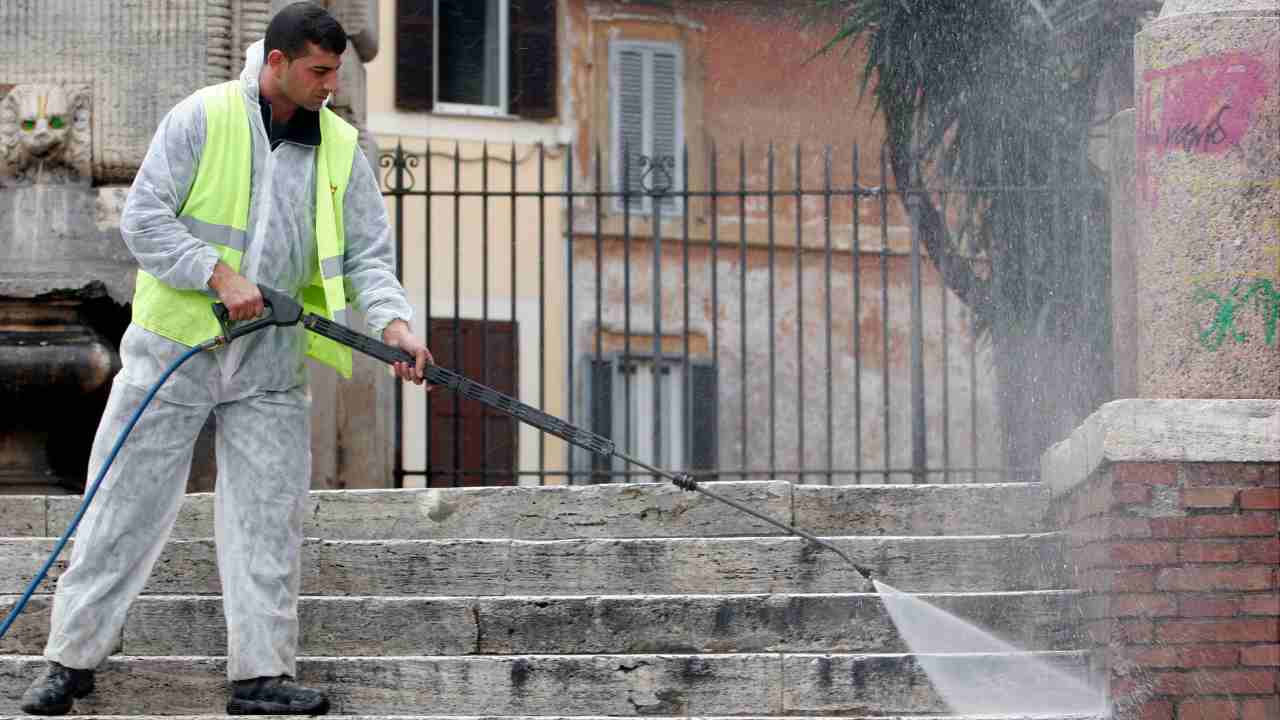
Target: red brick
x=1240, y=525
x=1135, y=632
x=1218, y=682
x=1120, y=581
x=1153, y=656
x=1208, y=606
x=1120, y=632
x=1224, y=474
x=1153, y=710
x=1208, y=552
x=1203, y=578
x=1213, y=497
x=1130, y=494
x=1266, y=552
x=1260, y=499
x=1262, y=604
x=1208, y=710
x=1194, y=631
x=1168, y=527
x=1145, y=473
x=1180, y=656
x=1154, y=605
x=1261, y=655
x=1154, y=553
x=1198, y=656
x=1123, y=527
x=1260, y=709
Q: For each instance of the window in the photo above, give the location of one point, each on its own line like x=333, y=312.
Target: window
x=646, y=95
x=627, y=417
x=478, y=57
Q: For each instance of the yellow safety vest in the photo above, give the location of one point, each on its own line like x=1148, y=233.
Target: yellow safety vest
x=217, y=212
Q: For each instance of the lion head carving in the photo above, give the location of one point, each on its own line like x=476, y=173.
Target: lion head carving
x=45, y=136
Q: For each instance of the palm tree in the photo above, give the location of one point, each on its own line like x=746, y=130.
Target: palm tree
x=998, y=96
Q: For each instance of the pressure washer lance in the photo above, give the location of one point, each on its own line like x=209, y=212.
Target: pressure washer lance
x=282, y=310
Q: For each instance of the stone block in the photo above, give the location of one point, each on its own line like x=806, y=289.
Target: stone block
x=329, y=626
x=887, y=684
x=921, y=509
x=22, y=516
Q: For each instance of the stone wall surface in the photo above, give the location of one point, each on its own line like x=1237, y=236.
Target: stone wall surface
x=1208, y=168
x=140, y=58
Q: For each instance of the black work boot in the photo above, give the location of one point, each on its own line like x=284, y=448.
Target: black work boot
x=56, y=689
x=275, y=696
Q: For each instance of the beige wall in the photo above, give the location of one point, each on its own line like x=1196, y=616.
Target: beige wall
x=467, y=137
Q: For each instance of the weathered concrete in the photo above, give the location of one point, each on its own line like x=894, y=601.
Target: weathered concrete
x=921, y=509
x=1208, y=242
x=22, y=516
x=1122, y=191
x=1023, y=562
x=582, y=567
x=1165, y=431
x=615, y=685
x=331, y=626
x=627, y=685
x=848, y=684
x=650, y=510
x=403, y=626
x=752, y=623
x=628, y=511
x=601, y=717
x=28, y=633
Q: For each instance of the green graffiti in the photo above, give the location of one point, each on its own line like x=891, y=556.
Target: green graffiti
x=1266, y=298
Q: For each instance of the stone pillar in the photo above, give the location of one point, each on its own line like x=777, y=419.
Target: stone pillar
x=1124, y=291
x=1208, y=159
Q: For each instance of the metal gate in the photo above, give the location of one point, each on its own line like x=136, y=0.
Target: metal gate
x=767, y=315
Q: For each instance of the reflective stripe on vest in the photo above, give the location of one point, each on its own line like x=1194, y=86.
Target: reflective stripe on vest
x=216, y=211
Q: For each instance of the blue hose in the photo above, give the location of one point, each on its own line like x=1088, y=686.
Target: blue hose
x=93, y=489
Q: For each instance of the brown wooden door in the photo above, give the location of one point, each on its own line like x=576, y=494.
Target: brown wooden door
x=471, y=444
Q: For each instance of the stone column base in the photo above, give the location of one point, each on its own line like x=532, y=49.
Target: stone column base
x=1171, y=510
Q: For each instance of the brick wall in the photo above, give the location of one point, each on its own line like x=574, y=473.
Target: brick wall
x=1180, y=568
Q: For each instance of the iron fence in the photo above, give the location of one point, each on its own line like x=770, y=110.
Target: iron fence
x=828, y=351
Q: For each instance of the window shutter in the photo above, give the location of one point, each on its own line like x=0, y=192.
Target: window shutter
x=601, y=413
x=704, y=386
x=415, y=56
x=665, y=153
x=532, y=80
x=630, y=119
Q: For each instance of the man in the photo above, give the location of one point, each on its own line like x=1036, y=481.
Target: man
x=246, y=182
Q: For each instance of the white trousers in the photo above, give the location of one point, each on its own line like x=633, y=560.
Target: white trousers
x=263, y=483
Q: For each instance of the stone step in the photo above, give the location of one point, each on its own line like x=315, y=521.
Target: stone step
x=588, y=717
x=571, y=685
x=609, y=567
x=636, y=510
x=387, y=626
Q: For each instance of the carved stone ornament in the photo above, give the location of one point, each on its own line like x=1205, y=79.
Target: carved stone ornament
x=45, y=135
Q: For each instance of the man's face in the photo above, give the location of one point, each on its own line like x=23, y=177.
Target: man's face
x=308, y=80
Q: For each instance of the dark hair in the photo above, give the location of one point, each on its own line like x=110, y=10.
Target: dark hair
x=302, y=22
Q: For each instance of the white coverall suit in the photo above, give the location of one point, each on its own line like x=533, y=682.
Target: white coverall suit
x=257, y=387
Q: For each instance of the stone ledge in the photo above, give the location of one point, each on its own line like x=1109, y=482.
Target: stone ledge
x=1238, y=431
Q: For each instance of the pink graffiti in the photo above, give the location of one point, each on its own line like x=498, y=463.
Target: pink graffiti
x=1203, y=106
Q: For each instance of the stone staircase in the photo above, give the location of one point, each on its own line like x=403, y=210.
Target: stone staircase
x=601, y=601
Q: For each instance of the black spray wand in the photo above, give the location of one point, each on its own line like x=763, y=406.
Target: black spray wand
x=282, y=310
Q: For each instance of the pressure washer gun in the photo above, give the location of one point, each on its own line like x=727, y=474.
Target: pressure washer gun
x=283, y=311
